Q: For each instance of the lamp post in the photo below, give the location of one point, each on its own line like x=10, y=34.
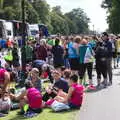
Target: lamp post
x=93, y=29
x=23, y=51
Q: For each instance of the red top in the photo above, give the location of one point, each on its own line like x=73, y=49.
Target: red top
x=77, y=95
x=34, y=98
x=2, y=75
x=41, y=53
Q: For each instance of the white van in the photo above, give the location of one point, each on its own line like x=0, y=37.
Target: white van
x=6, y=30
x=9, y=30
x=33, y=30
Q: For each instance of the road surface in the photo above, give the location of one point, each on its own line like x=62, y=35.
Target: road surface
x=103, y=104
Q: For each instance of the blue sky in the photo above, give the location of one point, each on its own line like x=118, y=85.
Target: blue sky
x=91, y=7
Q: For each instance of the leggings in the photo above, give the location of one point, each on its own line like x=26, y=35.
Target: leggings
x=83, y=68
x=101, y=69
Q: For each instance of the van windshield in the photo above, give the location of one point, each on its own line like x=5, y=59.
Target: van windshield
x=34, y=32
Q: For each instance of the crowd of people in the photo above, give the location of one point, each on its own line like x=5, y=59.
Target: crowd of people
x=63, y=62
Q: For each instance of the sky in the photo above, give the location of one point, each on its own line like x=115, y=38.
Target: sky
x=92, y=8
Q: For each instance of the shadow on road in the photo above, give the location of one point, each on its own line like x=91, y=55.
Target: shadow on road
x=117, y=74
x=96, y=90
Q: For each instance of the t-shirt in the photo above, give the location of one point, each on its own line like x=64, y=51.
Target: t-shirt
x=2, y=72
x=34, y=98
x=62, y=84
x=77, y=95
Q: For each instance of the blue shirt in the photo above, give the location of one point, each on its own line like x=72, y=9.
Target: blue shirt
x=108, y=45
x=72, y=53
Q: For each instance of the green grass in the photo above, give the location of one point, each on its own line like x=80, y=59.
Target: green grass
x=47, y=114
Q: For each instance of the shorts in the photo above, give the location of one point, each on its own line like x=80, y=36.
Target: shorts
x=74, y=63
x=38, y=110
x=114, y=54
x=72, y=106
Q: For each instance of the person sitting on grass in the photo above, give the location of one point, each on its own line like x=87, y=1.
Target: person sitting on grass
x=30, y=96
x=59, y=84
x=5, y=102
x=67, y=74
x=34, y=77
x=74, y=98
x=4, y=78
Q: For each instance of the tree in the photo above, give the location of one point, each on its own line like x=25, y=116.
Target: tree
x=38, y=11
x=113, y=18
x=1, y=4
x=107, y=4
x=31, y=14
x=59, y=21
x=11, y=10
x=57, y=9
x=79, y=19
x=42, y=9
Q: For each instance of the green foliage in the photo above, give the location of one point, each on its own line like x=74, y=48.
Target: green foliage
x=59, y=21
x=42, y=9
x=1, y=4
x=79, y=20
x=107, y=4
x=38, y=11
x=31, y=14
x=113, y=19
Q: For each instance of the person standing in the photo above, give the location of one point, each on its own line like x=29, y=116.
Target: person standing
x=108, y=45
x=101, y=64
x=114, y=49
x=29, y=52
x=58, y=54
x=73, y=54
x=15, y=55
x=41, y=50
x=86, y=59
x=4, y=78
x=118, y=50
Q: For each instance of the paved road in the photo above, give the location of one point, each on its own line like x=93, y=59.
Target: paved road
x=104, y=104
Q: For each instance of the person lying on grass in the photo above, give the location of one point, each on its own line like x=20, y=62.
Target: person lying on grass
x=74, y=97
x=30, y=96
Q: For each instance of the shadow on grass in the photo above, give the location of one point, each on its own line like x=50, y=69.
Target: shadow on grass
x=18, y=117
x=65, y=111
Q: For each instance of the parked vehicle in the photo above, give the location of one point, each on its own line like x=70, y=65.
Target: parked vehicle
x=33, y=30
x=9, y=30
x=2, y=29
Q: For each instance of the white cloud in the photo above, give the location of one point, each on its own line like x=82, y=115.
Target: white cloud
x=91, y=7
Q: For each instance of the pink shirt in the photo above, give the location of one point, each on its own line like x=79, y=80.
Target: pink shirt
x=77, y=95
x=2, y=75
x=34, y=98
